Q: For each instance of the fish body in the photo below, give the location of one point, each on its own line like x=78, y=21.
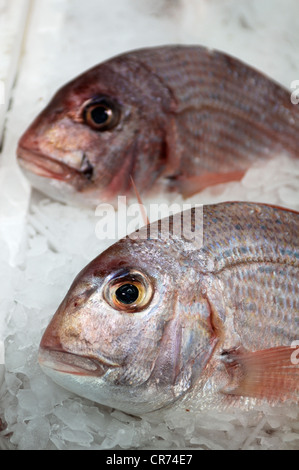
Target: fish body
x=204, y=321
x=173, y=118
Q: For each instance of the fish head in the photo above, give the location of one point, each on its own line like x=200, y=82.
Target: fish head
x=125, y=336
x=98, y=130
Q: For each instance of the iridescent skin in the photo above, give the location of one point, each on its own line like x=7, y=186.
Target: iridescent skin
x=213, y=304
x=189, y=118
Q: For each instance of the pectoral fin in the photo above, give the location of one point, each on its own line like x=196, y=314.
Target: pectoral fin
x=270, y=373
x=188, y=186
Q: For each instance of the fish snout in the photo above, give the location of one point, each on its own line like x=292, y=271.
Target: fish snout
x=52, y=355
x=31, y=159
x=29, y=140
x=36, y=157
x=50, y=340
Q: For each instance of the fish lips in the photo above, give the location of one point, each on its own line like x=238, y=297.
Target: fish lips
x=73, y=364
x=48, y=167
x=40, y=164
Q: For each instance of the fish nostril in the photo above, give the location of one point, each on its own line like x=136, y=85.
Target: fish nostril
x=86, y=168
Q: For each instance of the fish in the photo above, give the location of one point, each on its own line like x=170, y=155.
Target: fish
x=174, y=118
x=199, y=318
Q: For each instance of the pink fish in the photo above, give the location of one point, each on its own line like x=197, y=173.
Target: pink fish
x=201, y=322
x=174, y=118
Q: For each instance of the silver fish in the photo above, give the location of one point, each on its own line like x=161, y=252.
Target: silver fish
x=174, y=118
x=157, y=321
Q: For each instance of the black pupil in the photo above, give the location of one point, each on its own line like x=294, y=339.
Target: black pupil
x=127, y=294
x=100, y=114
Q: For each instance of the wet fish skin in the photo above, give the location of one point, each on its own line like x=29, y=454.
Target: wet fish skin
x=216, y=326
x=185, y=118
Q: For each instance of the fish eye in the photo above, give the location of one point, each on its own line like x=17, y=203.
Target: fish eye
x=130, y=291
x=101, y=114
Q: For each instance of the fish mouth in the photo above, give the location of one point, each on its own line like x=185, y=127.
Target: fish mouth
x=45, y=166
x=69, y=363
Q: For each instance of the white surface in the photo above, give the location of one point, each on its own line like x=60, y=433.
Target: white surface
x=44, y=244
x=13, y=18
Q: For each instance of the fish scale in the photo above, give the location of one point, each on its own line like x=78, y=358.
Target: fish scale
x=252, y=312
x=212, y=67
